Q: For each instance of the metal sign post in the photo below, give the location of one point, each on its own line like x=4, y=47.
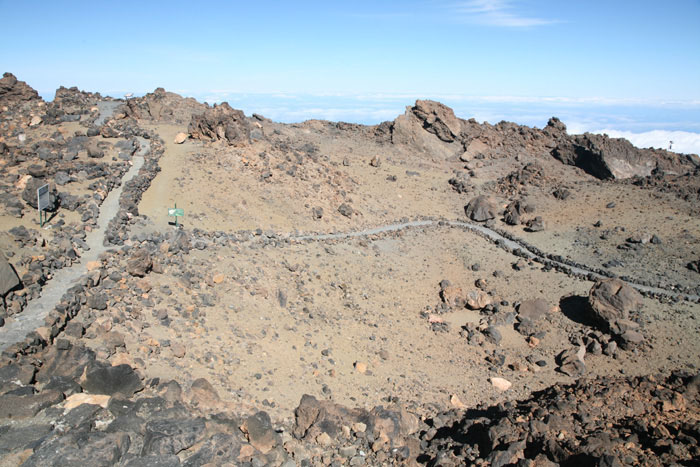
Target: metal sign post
x=176, y=212
x=43, y=200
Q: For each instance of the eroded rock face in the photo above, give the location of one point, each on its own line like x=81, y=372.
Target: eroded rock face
x=221, y=123
x=429, y=126
x=438, y=119
x=617, y=158
x=12, y=90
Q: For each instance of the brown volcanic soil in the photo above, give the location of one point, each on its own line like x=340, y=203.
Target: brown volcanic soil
x=348, y=301
x=361, y=301
x=265, y=318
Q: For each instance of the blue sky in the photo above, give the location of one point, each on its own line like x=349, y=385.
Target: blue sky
x=623, y=59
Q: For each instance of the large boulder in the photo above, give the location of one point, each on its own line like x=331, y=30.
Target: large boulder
x=8, y=277
x=13, y=91
x=220, y=123
x=611, y=300
x=29, y=195
x=533, y=309
x=111, y=380
x=481, y=209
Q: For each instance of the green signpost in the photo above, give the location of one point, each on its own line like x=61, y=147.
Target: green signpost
x=176, y=212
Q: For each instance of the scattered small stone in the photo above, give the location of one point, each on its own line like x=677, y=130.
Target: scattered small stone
x=500, y=383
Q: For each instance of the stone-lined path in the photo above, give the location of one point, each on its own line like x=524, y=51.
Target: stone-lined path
x=32, y=317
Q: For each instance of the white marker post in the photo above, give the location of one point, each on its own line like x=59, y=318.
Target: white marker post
x=43, y=200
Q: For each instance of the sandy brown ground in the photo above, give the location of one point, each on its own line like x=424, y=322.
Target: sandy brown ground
x=361, y=301
x=367, y=300
x=221, y=187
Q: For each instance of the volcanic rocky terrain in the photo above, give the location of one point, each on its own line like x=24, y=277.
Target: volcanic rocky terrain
x=426, y=291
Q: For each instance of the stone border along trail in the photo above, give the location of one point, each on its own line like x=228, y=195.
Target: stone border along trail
x=505, y=241
x=33, y=316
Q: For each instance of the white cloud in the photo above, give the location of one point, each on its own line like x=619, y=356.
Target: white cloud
x=499, y=13
x=683, y=141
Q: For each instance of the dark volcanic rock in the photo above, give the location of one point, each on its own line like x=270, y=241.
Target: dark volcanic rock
x=120, y=379
x=24, y=406
x=13, y=91
x=65, y=363
x=79, y=449
x=221, y=123
x=29, y=195
x=9, y=279
x=513, y=213
x=260, y=433
x=694, y=265
x=535, y=224
x=139, y=263
x=345, y=210
x=592, y=422
x=97, y=301
x=390, y=427
x=481, y=209
x=164, y=437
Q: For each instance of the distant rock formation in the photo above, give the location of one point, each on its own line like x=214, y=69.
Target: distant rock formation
x=433, y=128
x=221, y=123
x=608, y=158
x=13, y=91
x=161, y=105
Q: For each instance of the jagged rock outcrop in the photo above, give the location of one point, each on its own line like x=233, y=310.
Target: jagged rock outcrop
x=438, y=119
x=433, y=128
x=13, y=91
x=221, y=123
x=591, y=422
x=616, y=158
x=74, y=101
x=164, y=106
x=430, y=126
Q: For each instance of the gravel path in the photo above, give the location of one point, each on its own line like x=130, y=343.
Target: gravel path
x=33, y=316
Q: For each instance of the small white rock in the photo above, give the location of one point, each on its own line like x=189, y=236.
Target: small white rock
x=501, y=384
